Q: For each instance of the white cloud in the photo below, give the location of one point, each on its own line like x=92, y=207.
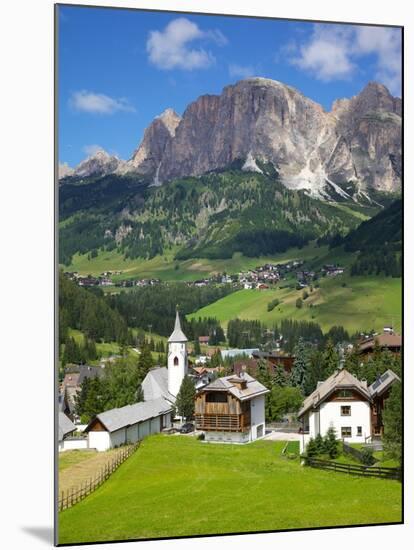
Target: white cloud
x=241, y=71
x=332, y=53
x=172, y=48
x=92, y=149
x=91, y=102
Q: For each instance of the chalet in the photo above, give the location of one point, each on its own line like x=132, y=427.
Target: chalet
x=204, y=339
x=231, y=409
x=388, y=340
x=250, y=365
x=128, y=424
x=349, y=405
x=276, y=358
x=72, y=383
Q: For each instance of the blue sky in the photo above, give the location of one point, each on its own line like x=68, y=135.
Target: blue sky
x=118, y=69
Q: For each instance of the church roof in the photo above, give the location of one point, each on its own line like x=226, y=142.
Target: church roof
x=155, y=385
x=177, y=334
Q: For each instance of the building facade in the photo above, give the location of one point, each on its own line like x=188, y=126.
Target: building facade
x=347, y=404
x=231, y=409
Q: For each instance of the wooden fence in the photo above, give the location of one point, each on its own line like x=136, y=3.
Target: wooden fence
x=356, y=453
x=74, y=495
x=355, y=469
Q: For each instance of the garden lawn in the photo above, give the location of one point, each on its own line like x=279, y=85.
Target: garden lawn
x=179, y=486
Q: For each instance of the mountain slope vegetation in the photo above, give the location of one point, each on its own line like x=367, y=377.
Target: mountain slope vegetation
x=212, y=216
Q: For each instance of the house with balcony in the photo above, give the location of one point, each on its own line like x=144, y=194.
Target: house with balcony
x=231, y=409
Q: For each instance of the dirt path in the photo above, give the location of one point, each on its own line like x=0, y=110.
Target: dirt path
x=85, y=469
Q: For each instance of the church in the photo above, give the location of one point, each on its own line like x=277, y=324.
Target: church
x=228, y=410
x=165, y=382
x=160, y=387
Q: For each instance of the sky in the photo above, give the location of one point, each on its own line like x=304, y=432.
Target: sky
x=118, y=69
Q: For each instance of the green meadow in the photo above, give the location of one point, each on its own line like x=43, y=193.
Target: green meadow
x=179, y=486
x=356, y=303
x=167, y=269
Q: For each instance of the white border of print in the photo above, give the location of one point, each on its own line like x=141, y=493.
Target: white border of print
x=26, y=273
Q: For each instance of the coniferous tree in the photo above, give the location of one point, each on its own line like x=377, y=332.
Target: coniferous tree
x=184, y=402
x=280, y=376
x=300, y=364
x=320, y=444
x=330, y=359
x=393, y=425
x=331, y=443
x=197, y=348
x=145, y=362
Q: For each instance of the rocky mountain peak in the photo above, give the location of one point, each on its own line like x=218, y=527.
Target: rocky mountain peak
x=148, y=156
x=99, y=163
x=257, y=121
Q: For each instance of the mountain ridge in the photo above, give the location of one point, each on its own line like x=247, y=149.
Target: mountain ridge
x=352, y=150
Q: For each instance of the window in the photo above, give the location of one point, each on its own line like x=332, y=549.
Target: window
x=345, y=393
x=175, y=361
x=359, y=430
x=346, y=431
x=216, y=397
x=345, y=410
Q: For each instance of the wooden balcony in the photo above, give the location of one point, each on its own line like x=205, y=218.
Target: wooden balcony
x=223, y=422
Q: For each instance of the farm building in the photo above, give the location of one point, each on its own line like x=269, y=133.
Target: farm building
x=128, y=424
x=66, y=439
x=388, y=340
x=231, y=409
x=349, y=405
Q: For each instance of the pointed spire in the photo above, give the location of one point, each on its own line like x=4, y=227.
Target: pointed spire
x=177, y=335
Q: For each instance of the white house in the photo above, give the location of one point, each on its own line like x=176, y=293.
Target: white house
x=231, y=409
x=348, y=405
x=128, y=424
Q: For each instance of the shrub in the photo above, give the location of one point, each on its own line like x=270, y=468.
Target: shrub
x=311, y=449
x=367, y=457
x=331, y=443
x=320, y=445
x=299, y=303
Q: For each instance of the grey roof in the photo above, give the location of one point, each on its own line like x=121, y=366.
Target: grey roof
x=116, y=419
x=382, y=383
x=66, y=426
x=177, y=334
x=155, y=385
x=340, y=379
x=228, y=384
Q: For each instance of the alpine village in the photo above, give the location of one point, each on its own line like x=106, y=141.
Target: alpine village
x=230, y=350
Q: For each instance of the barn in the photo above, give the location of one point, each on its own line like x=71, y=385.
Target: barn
x=128, y=424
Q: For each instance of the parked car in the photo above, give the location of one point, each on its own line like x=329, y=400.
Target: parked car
x=187, y=428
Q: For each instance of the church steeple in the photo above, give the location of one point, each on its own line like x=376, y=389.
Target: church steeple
x=177, y=334
x=177, y=357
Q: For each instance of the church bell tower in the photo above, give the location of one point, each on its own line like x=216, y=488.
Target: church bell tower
x=177, y=357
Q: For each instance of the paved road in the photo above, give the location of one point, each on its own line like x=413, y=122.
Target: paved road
x=283, y=436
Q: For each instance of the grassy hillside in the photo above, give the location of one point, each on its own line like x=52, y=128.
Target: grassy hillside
x=212, y=216
x=179, y=486
x=364, y=303
x=165, y=268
